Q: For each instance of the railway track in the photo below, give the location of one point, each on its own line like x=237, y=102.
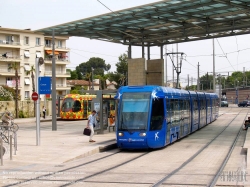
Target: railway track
x=211, y=178
x=146, y=168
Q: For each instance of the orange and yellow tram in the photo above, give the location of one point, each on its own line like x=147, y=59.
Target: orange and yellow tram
x=76, y=106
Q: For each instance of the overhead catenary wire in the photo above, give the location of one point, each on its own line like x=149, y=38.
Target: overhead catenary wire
x=224, y=54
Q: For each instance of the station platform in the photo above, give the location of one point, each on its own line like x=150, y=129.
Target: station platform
x=56, y=147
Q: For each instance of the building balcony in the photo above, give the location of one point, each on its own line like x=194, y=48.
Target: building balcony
x=58, y=74
x=12, y=84
x=9, y=44
x=4, y=71
x=58, y=61
x=57, y=48
x=62, y=87
x=10, y=58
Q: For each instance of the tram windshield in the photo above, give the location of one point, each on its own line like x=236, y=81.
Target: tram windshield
x=69, y=104
x=134, y=111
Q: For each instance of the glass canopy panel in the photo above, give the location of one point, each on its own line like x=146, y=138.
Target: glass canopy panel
x=176, y=11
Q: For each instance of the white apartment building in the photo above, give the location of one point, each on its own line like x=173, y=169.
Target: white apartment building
x=22, y=47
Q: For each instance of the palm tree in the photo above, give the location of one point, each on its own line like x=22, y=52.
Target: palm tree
x=15, y=66
x=32, y=71
x=102, y=81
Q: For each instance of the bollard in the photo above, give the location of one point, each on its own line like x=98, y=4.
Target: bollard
x=10, y=147
x=1, y=151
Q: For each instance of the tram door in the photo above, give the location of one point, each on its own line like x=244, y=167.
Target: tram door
x=168, y=120
x=182, y=106
x=85, y=109
x=173, y=118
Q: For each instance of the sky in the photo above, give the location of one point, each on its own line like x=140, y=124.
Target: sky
x=231, y=53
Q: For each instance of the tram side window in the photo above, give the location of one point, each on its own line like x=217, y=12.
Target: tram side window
x=157, y=114
x=67, y=104
x=76, y=107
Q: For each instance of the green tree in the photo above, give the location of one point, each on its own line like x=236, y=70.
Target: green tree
x=73, y=75
x=84, y=70
x=15, y=67
x=206, y=81
x=120, y=76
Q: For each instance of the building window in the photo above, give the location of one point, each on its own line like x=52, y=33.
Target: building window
x=27, y=94
x=26, y=40
x=38, y=41
x=59, y=43
x=47, y=43
x=9, y=67
x=26, y=54
x=38, y=54
x=8, y=39
x=27, y=67
x=27, y=81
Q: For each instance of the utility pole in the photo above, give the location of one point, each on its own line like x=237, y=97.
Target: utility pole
x=173, y=64
x=244, y=76
x=207, y=80
x=213, y=67
x=198, y=79
x=166, y=66
x=54, y=123
x=178, y=66
x=188, y=80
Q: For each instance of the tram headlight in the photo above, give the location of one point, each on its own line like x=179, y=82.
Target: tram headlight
x=120, y=134
x=142, y=134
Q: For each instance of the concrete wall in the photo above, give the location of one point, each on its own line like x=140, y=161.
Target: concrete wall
x=136, y=71
x=26, y=106
x=242, y=94
x=155, y=72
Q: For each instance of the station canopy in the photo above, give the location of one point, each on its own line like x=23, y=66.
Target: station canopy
x=163, y=22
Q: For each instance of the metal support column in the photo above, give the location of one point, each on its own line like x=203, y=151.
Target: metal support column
x=37, y=104
x=129, y=51
x=148, y=52
x=213, y=67
x=161, y=52
x=143, y=53
x=54, y=124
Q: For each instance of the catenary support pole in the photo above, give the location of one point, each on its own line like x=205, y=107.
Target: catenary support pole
x=213, y=67
x=54, y=124
x=37, y=104
x=198, y=77
x=166, y=65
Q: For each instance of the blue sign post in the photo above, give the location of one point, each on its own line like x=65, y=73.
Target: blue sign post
x=44, y=85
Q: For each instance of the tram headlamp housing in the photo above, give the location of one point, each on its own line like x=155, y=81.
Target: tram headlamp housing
x=120, y=134
x=142, y=134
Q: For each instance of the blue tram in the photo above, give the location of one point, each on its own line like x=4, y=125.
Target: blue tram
x=155, y=116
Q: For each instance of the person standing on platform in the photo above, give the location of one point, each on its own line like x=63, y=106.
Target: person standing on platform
x=44, y=112
x=90, y=125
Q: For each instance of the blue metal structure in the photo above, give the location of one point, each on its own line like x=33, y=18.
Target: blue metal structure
x=155, y=116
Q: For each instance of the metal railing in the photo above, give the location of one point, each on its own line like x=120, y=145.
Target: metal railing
x=57, y=73
x=57, y=59
x=5, y=69
x=57, y=47
x=62, y=85
x=5, y=42
x=10, y=58
x=10, y=138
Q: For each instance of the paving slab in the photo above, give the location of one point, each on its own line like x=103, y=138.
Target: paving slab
x=56, y=147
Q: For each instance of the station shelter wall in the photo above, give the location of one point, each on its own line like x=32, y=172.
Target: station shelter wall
x=145, y=72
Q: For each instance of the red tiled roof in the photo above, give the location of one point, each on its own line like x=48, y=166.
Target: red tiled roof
x=78, y=82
